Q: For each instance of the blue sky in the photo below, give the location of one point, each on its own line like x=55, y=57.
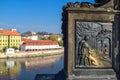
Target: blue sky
x=33, y=15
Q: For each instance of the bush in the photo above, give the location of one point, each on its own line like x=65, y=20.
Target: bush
x=60, y=43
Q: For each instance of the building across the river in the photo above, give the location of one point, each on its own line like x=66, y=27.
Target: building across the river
x=9, y=39
x=29, y=45
x=32, y=36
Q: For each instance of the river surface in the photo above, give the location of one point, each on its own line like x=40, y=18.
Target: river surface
x=28, y=68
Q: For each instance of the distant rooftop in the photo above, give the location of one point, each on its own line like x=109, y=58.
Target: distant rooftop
x=11, y=32
x=39, y=42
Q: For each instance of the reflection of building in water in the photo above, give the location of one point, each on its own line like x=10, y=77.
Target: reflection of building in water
x=9, y=69
x=10, y=64
x=42, y=62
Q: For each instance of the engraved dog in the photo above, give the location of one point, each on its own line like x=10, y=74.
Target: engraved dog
x=93, y=58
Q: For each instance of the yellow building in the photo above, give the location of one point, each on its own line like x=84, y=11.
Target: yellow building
x=9, y=39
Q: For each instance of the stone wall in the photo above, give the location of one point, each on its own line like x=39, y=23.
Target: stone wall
x=87, y=12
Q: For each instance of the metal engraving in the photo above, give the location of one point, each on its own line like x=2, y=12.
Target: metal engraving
x=93, y=44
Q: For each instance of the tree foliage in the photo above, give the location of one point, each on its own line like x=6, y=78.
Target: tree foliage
x=60, y=43
x=44, y=39
x=16, y=48
x=43, y=33
x=53, y=37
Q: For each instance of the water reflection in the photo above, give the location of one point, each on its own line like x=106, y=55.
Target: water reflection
x=41, y=62
x=26, y=69
x=9, y=69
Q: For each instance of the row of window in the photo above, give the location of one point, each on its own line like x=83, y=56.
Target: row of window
x=10, y=37
x=10, y=40
x=10, y=44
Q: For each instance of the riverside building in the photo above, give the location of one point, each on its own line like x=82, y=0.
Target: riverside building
x=9, y=38
x=29, y=45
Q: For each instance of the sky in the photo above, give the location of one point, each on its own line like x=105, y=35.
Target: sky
x=33, y=15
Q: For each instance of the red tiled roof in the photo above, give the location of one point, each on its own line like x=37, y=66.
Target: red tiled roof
x=9, y=32
x=25, y=39
x=40, y=42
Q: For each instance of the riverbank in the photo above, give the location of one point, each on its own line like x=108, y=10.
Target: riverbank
x=28, y=54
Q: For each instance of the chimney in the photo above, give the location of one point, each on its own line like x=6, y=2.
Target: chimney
x=13, y=29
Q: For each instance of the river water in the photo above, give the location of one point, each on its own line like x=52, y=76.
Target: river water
x=28, y=68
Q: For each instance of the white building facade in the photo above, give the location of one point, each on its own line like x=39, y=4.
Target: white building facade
x=39, y=45
x=10, y=51
x=33, y=37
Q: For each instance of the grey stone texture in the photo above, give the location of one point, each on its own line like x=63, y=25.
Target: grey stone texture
x=108, y=12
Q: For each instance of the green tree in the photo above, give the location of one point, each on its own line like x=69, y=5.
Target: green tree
x=42, y=33
x=15, y=47
x=53, y=37
x=44, y=39
x=60, y=43
x=4, y=49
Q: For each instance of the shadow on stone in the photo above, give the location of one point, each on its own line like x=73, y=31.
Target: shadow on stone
x=118, y=67
x=60, y=76
x=45, y=77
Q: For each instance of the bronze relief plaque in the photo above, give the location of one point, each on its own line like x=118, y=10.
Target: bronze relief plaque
x=93, y=41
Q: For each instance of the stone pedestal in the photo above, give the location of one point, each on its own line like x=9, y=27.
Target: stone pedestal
x=91, y=40
x=93, y=74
